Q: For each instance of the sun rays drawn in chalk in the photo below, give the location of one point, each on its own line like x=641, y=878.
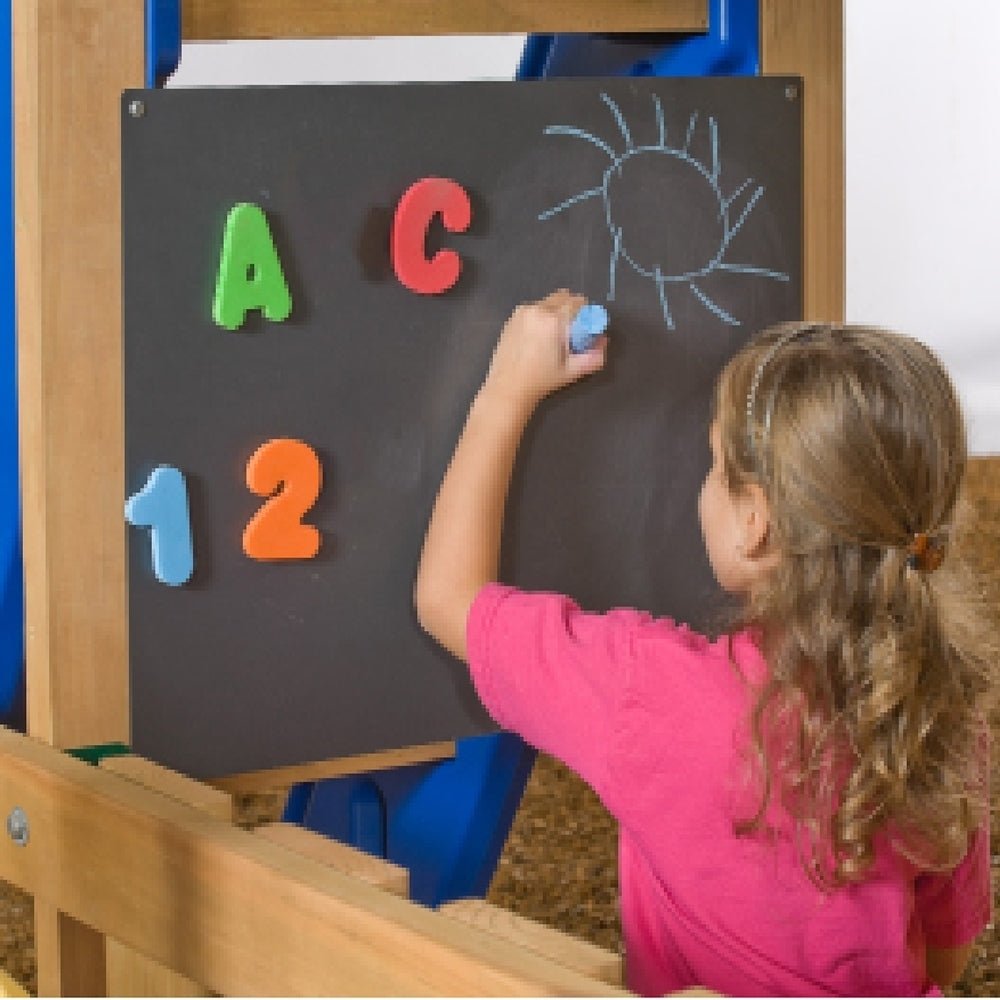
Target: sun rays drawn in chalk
x=663, y=164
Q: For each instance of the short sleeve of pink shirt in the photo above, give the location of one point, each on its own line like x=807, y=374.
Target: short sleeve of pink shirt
x=552, y=674
x=645, y=711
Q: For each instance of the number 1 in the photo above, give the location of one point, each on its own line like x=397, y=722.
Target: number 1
x=162, y=506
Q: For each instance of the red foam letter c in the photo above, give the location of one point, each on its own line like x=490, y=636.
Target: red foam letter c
x=422, y=201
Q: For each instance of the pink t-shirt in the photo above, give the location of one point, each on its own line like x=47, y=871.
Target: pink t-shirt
x=653, y=717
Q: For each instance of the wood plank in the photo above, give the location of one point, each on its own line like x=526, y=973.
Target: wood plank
x=226, y=908
x=806, y=38
x=253, y=782
x=71, y=960
x=70, y=62
x=207, y=20
x=167, y=782
x=130, y=974
x=574, y=953
x=342, y=857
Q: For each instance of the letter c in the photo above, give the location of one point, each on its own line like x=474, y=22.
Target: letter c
x=420, y=203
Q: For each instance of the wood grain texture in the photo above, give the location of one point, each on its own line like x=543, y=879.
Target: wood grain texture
x=252, y=782
x=206, y=20
x=71, y=959
x=806, y=38
x=565, y=949
x=226, y=908
x=130, y=974
x=71, y=60
x=342, y=857
x=161, y=779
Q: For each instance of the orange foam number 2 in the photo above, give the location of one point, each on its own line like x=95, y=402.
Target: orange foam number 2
x=288, y=472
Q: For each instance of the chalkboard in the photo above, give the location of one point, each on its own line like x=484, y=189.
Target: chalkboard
x=675, y=203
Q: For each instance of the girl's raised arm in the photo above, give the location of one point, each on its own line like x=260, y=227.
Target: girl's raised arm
x=462, y=546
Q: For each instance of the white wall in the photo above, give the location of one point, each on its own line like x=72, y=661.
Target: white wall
x=923, y=176
x=353, y=60
x=923, y=160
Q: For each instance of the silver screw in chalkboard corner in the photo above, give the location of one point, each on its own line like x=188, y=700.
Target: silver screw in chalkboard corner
x=136, y=108
x=17, y=826
x=791, y=91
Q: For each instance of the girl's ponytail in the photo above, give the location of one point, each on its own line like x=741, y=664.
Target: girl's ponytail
x=880, y=642
x=913, y=719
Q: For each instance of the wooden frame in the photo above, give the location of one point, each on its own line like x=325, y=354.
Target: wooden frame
x=72, y=59
x=241, y=913
x=208, y=20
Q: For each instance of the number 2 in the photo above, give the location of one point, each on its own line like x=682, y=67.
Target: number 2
x=289, y=473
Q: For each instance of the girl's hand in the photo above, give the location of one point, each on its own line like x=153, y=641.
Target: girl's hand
x=532, y=357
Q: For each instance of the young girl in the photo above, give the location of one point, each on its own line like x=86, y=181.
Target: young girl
x=802, y=802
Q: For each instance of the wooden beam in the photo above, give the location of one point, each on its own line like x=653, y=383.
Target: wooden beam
x=130, y=974
x=218, y=20
x=167, y=782
x=806, y=38
x=71, y=957
x=250, y=782
x=230, y=910
x=358, y=864
x=573, y=952
x=71, y=61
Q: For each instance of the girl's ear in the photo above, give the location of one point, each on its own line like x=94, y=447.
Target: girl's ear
x=755, y=524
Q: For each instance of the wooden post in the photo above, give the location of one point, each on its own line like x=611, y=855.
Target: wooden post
x=71, y=60
x=224, y=19
x=806, y=38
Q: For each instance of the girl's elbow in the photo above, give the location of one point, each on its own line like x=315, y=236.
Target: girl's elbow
x=442, y=617
x=425, y=606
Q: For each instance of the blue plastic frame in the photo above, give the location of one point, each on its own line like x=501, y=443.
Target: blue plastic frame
x=445, y=822
x=163, y=40
x=730, y=47
x=11, y=571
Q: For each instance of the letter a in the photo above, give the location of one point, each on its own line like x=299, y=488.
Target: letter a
x=250, y=275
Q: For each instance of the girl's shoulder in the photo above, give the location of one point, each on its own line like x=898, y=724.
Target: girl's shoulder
x=740, y=648
x=726, y=659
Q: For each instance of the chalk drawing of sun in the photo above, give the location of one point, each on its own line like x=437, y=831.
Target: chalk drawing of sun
x=678, y=216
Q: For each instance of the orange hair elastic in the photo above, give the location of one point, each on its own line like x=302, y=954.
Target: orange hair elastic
x=924, y=553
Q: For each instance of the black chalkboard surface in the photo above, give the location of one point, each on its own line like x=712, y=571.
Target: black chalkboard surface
x=676, y=203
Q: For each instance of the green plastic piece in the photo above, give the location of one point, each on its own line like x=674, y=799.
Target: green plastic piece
x=250, y=274
x=95, y=754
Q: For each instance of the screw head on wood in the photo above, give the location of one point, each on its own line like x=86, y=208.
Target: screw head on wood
x=17, y=826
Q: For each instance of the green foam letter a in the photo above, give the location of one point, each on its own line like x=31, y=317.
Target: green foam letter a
x=250, y=275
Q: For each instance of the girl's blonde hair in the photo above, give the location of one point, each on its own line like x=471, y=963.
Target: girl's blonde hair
x=873, y=715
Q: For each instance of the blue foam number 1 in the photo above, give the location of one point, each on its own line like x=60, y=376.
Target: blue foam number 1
x=588, y=324
x=162, y=506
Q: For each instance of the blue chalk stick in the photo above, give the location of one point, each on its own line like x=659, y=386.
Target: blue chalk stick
x=588, y=324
